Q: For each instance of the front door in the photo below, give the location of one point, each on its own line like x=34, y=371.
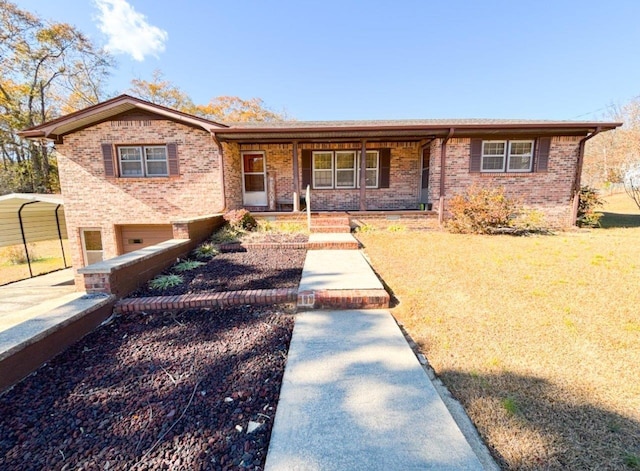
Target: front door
x=254, y=178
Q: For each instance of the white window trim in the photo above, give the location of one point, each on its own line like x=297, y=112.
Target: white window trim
x=334, y=169
x=504, y=157
x=352, y=169
x=143, y=161
x=532, y=142
x=328, y=170
x=146, y=162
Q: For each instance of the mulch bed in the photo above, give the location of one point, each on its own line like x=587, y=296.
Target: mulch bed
x=252, y=269
x=157, y=391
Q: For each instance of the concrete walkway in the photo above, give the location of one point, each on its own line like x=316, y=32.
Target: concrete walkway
x=354, y=396
x=30, y=298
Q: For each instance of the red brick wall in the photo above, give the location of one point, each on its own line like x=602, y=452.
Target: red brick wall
x=93, y=201
x=403, y=192
x=548, y=191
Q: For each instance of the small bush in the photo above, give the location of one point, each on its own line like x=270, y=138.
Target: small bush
x=206, y=250
x=365, y=228
x=187, y=265
x=589, y=202
x=241, y=219
x=226, y=234
x=163, y=282
x=632, y=460
x=397, y=228
x=16, y=255
x=481, y=210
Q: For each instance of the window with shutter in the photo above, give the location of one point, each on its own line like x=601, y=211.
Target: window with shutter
x=147, y=161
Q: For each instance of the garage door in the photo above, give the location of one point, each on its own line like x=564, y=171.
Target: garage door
x=135, y=236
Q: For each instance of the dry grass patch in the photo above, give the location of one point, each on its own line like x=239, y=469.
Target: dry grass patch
x=539, y=337
x=48, y=259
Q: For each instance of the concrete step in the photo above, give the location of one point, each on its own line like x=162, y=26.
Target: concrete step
x=330, y=229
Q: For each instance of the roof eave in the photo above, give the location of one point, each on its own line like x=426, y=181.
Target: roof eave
x=101, y=110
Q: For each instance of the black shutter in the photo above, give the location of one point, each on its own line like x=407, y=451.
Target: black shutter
x=476, y=155
x=306, y=169
x=107, y=160
x=172, y=159
x=385, y=168
x=544, y=145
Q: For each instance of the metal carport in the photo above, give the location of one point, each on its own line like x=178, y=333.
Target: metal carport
x=31, y=217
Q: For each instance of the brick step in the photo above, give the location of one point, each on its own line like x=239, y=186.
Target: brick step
x=328, y=245
x=330, y=221
x=330, y=229
x=343, y=299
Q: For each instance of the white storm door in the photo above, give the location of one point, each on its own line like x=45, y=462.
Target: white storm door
x=92, y=246
x=254, y=179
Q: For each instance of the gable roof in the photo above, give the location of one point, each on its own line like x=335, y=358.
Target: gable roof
x=281, y=130
x=107, y=109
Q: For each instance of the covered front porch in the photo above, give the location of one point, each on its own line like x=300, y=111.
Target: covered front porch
x=272, y=174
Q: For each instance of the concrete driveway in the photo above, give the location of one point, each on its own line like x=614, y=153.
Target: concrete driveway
x=26, y=299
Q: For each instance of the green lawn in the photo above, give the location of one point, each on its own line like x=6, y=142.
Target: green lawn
x=538, y=337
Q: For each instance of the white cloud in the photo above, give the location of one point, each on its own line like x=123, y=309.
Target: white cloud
x=128, y=31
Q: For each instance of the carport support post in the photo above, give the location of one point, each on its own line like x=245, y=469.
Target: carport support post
x=363, y=176
x=64, y=259
x=24, y=239
x=296, y=180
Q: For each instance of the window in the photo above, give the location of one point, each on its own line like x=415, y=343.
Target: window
x=345, y=169
x=509, y=156
x=143, y=161
x=520, y=156
x=323, y=169
x=341, y=169
x=371, y=168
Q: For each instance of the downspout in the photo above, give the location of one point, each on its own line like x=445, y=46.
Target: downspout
x=443, y=155
x=222, y=184
x=578, y=176
x=24, y=239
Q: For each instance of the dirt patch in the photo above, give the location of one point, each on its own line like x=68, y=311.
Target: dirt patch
x=155, y=391
x=253, y=269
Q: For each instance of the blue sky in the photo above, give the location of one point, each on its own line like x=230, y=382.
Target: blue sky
x=376, y=59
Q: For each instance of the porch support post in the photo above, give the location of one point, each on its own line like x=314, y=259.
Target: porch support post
x=296, y=179
x=363, y=176
x=443, y=163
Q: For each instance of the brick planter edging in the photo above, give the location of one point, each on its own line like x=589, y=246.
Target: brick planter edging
x=208, y=300
x=343, y=299
x=239, y=246
x=242, y=246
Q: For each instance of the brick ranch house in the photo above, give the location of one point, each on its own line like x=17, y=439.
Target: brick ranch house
x=129, y=168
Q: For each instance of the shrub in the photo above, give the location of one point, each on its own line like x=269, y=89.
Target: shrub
x=397, y=228
x=206, y=250
x=589, y=201
x=241, y=219
x=225, y=235
x=364, y=228
x=187, y=265
x=481, y=210
x=16, y=255
x=163, y=282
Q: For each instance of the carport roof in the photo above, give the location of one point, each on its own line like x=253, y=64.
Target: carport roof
x=12, y=202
